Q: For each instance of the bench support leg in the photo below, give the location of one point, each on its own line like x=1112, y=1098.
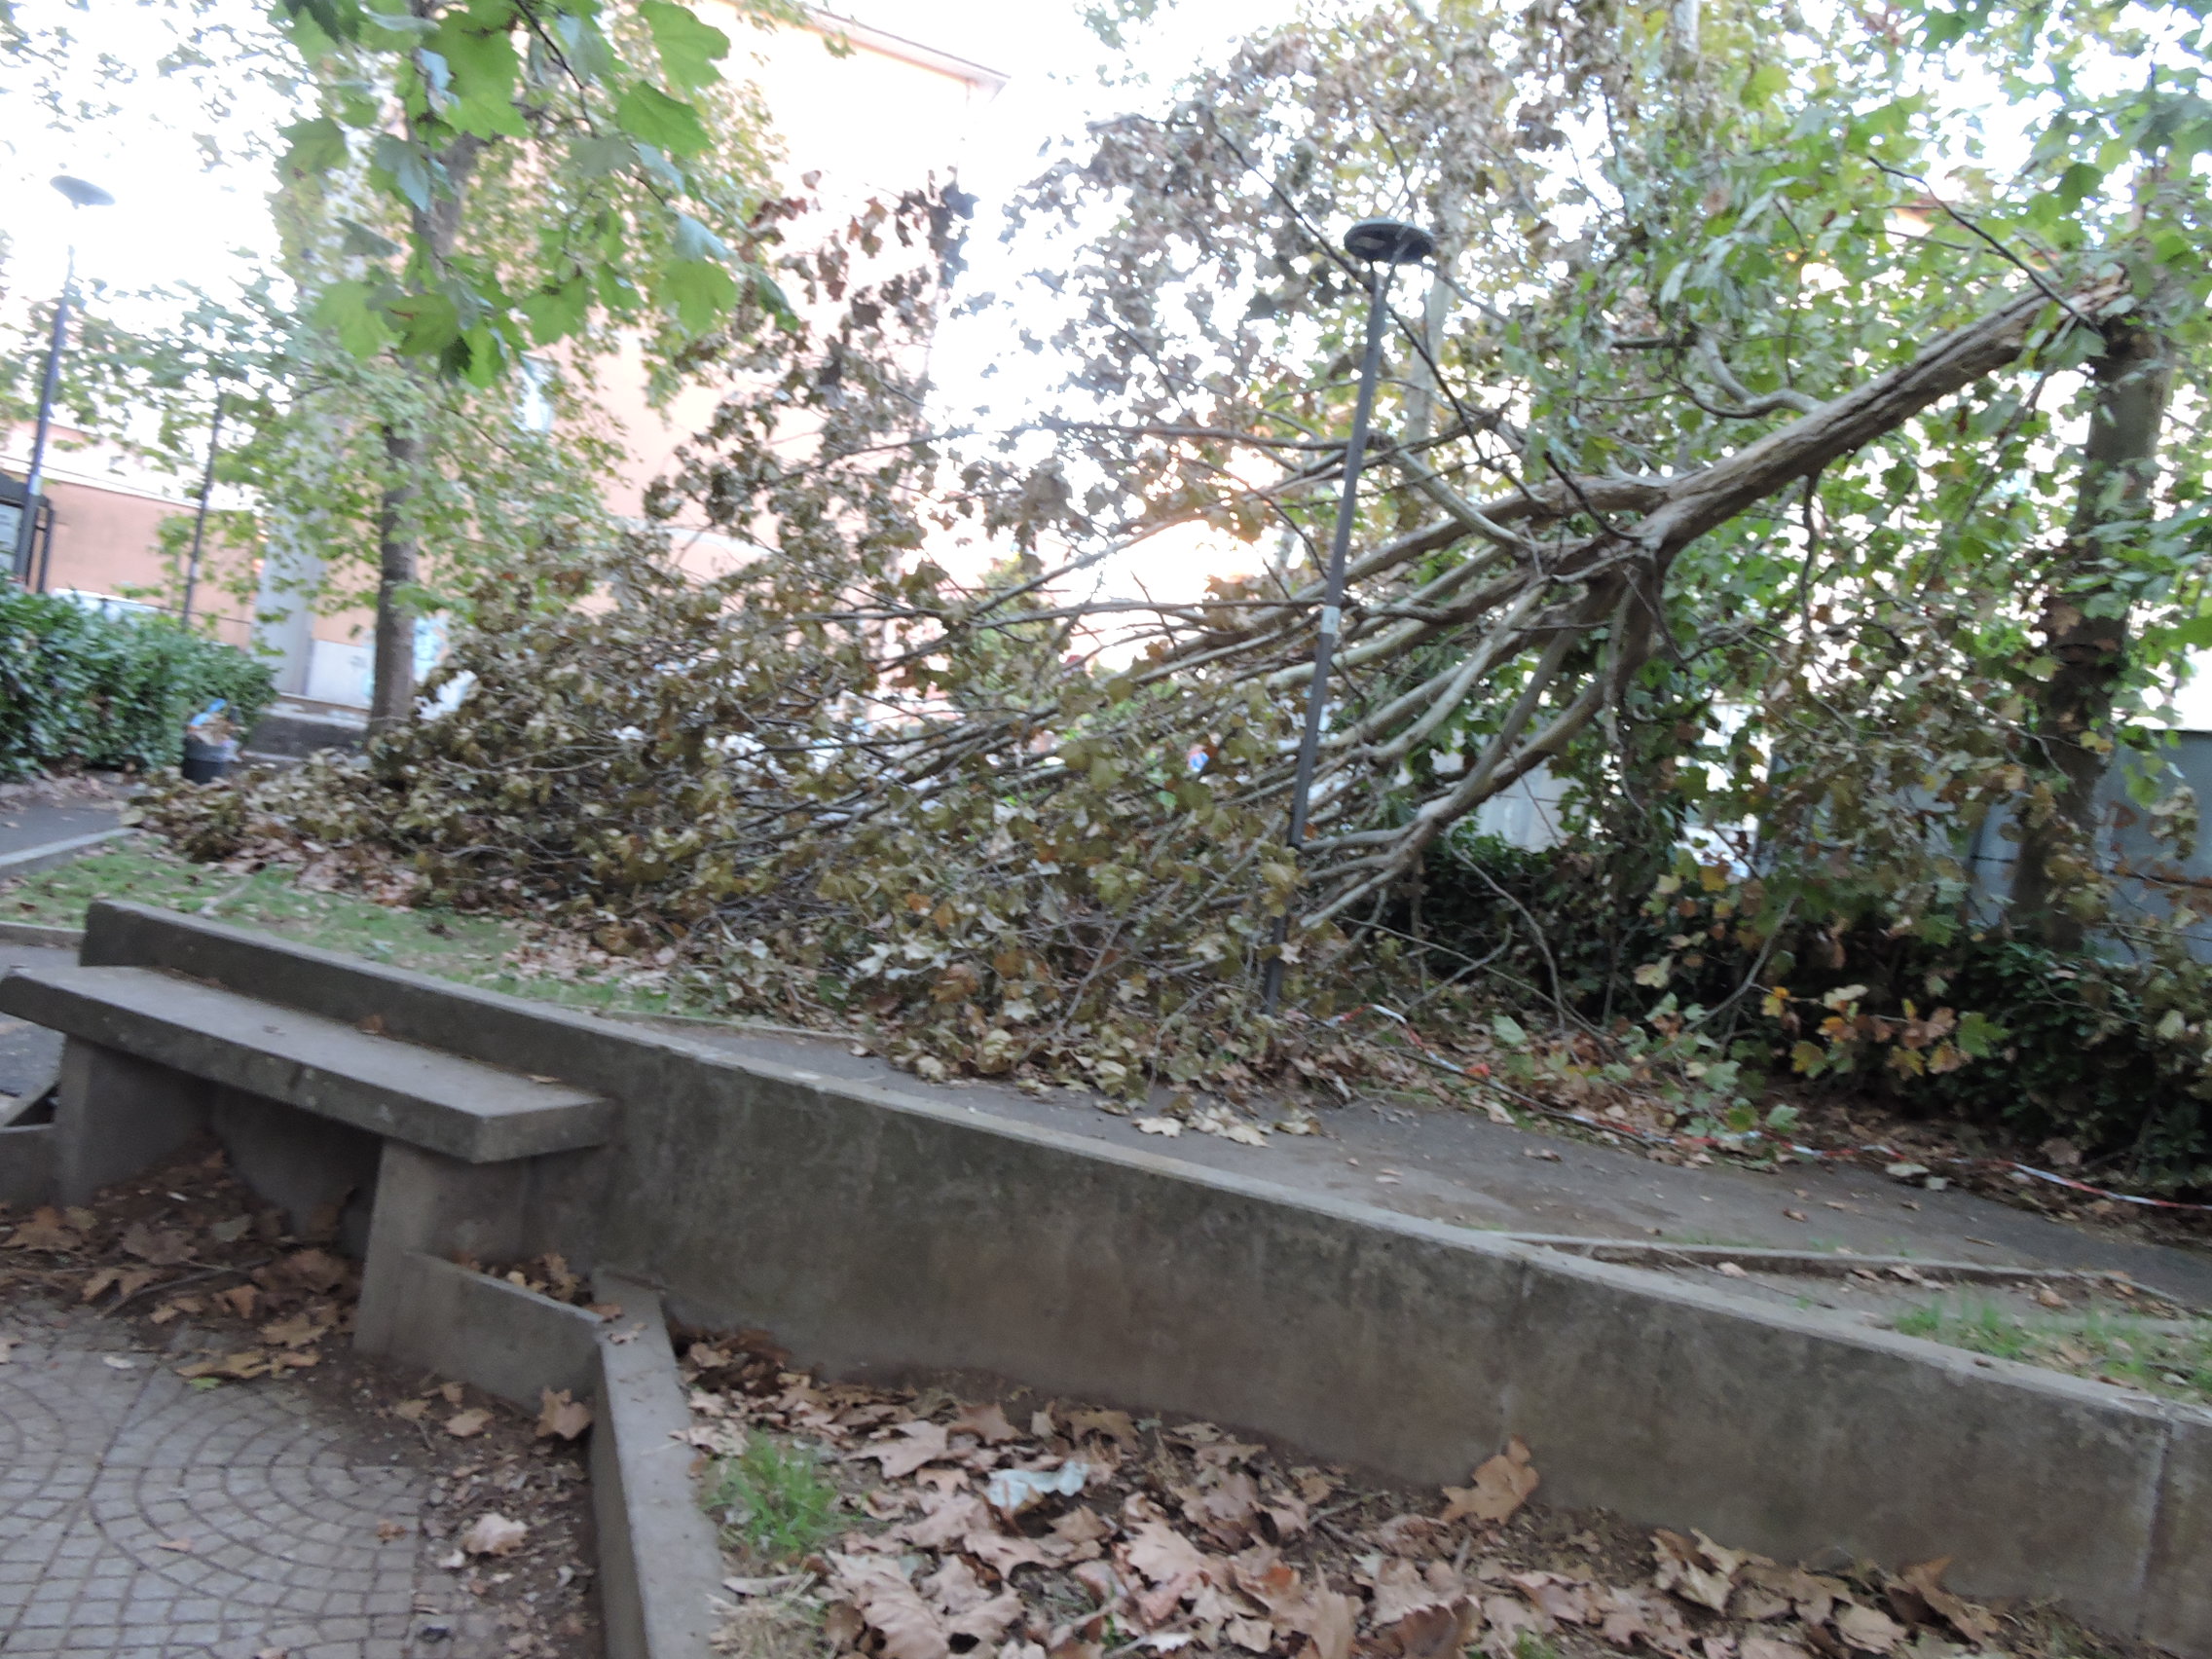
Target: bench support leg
x=443, y=1207
x=114, y=1115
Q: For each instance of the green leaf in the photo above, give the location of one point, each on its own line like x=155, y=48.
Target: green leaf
x=769, y=292
x=701, y=292
x=316, y=147
x=1764, y=83
x=346, y=310
x=428, y=322
x=687, y=46
x=361, y=242
x=652, y=116
x=407, y=168
x=484, y=70
x=693, y=240
x=2076, y=184
x=408, y=28
x=556, y=313
x=600, y=158
x=1979, y=1035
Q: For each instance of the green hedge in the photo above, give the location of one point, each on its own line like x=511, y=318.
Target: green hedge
x=81, y=689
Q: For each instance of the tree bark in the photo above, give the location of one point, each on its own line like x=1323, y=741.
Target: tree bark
x=391, y=702
x=2085, y=624
x=392, y=698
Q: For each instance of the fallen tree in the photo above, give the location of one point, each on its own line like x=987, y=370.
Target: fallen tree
x=911, y=767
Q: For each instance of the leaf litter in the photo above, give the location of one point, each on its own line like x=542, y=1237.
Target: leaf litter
x=1093, y=1535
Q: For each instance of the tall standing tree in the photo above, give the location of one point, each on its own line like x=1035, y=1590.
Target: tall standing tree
x=481, y=180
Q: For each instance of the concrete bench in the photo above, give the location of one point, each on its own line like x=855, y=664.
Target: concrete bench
x=154, y=1059
x=462, y=1108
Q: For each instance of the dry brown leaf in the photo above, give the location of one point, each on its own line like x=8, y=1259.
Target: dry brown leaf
x=462, y=1424
x=1329, y=1622
x=1926, y=1580
x=1290, y=1518
x=947, y=1518
x=1756, y=1603
x=910, y=1445
x=1556, y=1597
x=1100, y=1580
x=986, y=1423
x=315, y=1270
x=490, y=1535
x=104, y=1278
x=1401, y=1588
x=1084, y=1524
x=412, y=1410
x=1254, y=1635
x=1226, y=1509
x=1002, y=1553
x=1499, y=1487
x=1164, y=1555
x=1114, y=1425
x=387, y=1531
x=239, y=1367
x=909, y=1625
x=1684, y=1569
x=1437, y=1632
x=1769, y=1647
x=1868, y=1630
x=163, y=1247
x=241, y=1299
x=296, y=1331
x=45, y=1230
x=1406, y=1534
x=559, y=1414
x=451, y=1393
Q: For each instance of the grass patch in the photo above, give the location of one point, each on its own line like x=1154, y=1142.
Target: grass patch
x=2169, y=1358
x=474, y=950
x=775, y=1499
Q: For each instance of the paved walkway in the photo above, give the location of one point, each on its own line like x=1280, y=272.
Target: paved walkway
x=28, y=824
x=140, y=1519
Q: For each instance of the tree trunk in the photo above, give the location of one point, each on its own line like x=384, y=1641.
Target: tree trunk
x=2085, y=624
x=391, y=700
x=391, y=703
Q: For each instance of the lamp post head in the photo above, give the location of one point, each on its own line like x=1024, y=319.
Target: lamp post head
x=82, y=191
x=1388, y=241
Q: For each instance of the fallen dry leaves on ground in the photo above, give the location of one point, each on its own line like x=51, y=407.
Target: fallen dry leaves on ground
x=1063, y=1533
x=192, y=1245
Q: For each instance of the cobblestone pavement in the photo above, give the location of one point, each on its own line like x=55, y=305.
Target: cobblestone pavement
x=141, y=1518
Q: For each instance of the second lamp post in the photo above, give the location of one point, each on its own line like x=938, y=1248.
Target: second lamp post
x=1381, y=244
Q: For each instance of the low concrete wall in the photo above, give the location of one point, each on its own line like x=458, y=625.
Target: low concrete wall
x=874, y=1234
x=26, y=1164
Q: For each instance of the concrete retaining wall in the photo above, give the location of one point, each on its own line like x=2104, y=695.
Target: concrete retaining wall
x=876, y=1234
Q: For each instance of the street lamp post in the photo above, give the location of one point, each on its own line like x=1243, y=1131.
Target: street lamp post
x=1382, y=244
x=81, y=194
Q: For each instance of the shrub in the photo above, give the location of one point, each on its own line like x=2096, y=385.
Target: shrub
x=81, y=689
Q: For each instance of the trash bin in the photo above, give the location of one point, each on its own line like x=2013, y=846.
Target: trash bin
x=207, y=762
x=209, y=749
